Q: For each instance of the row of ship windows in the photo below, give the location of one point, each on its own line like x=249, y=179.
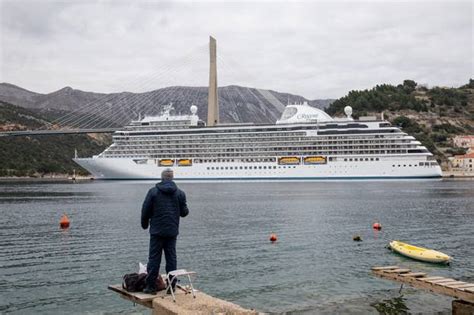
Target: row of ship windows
x=256, y=133
x=262, y=139
x=186, y=123
x=270, y=160
x=260, y=145
x=360, y=159
x=244, y=154
x=165, y=123
x=252, y=160
x=275, y=167
x=247, y=167
x=252, y=135
x=234, y=160
x=154, y=127
x=419, y=164
x=274, y=159
x=254, y=148
x=187, y=153
x=211, y=135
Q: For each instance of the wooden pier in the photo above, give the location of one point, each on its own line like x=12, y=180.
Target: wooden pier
x=462, y=291
x=162, y=303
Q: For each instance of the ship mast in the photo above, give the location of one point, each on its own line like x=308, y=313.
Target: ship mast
x=212, y=104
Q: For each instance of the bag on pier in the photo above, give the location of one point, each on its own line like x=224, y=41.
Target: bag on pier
x=135, y=282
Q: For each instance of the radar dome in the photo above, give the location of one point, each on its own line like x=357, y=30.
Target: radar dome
x=348, y=111
x=193, y=109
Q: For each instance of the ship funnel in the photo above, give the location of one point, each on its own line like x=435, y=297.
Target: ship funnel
x=212, y=105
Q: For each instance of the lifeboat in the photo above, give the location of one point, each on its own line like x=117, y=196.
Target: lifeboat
x=185, y=162
x=289, y=160
x=166, y=162
x=315, y=160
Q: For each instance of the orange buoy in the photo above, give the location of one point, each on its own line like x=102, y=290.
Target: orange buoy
x=377, y=226
x=273, y=238
x=64, y=222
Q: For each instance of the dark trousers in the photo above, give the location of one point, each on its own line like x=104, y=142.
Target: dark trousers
x=159, y=244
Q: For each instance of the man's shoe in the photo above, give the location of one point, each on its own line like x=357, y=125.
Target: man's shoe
x=149, y=291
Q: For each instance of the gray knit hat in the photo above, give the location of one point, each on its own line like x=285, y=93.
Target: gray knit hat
x=167, y=174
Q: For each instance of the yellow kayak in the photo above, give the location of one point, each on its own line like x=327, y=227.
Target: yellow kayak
x=419, y=253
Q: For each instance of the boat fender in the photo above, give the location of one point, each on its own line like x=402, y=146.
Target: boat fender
x=64, y=222
x=273, y=238
x=377, y=226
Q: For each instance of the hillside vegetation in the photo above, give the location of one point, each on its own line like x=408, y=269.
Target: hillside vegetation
x=433, y=115
x=38, y=155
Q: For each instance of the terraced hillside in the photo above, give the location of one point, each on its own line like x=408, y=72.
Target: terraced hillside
x=433, y=115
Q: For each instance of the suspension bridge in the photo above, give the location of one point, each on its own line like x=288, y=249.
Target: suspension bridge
x=182, y=85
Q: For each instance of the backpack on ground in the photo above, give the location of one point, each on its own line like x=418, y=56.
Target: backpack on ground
x=134, y=282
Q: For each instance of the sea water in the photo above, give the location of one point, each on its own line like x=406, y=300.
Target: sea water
x=314, y=268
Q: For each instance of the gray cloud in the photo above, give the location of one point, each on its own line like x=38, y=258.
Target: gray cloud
x=315, y=49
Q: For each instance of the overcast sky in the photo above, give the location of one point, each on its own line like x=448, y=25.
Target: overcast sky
x=314, y=49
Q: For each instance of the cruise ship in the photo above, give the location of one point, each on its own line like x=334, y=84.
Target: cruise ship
x=305, y=144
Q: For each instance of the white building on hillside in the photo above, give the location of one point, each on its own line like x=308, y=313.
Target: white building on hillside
x=465, y=141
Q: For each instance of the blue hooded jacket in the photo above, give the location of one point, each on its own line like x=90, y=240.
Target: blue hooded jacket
x=163, y=206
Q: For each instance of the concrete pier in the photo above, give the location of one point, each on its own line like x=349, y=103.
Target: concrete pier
x=163, y=304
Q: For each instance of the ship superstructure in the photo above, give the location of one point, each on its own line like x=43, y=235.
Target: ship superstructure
x=306, y=143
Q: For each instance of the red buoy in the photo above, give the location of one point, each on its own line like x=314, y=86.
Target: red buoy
x=64, y=222
x=273, y=238
x=377, y=226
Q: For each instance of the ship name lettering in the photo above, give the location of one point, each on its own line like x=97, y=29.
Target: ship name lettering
x=307, y=116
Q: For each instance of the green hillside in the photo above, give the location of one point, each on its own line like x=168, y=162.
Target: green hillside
x=432, y=115
x=40, y=155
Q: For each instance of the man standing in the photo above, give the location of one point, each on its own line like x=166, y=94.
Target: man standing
x=163, y=206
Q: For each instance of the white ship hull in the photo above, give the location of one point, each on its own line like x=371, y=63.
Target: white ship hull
x=388, y=167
